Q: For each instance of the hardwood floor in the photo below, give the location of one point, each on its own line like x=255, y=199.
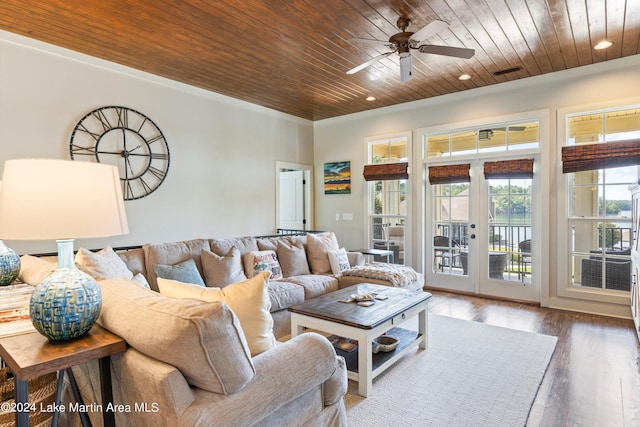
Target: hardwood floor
x=594, y=375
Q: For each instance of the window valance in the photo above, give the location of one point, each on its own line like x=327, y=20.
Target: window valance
x=583, y=157
x=449, y=174
x=386, y=171
x=504, y=169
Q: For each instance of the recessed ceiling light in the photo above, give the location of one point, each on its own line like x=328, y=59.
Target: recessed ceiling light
x=603, y=45
x=370, y=98
x=464, y=77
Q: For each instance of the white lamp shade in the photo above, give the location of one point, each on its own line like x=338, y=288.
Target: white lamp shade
x=44, y=199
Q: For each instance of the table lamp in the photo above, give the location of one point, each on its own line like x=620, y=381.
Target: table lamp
x=9, y=263
x=63, y=200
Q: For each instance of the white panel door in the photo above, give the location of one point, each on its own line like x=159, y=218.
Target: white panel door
x=291, y=204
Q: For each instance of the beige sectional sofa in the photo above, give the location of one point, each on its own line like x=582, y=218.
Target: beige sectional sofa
x=195, y=363
x=306, y=268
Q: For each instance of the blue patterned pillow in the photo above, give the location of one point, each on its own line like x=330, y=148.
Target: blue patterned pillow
x=185, y=272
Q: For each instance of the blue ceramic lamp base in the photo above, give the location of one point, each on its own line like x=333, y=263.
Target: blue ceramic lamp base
x=67, y=303
x=9, y=265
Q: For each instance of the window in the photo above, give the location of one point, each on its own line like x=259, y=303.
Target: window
x=388, y=202
x=599, y=202
x=485, y=139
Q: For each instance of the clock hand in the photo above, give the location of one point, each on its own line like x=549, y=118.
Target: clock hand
x=128, y=167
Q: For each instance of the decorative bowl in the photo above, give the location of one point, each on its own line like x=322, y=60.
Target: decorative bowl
x=384, y=344
x=363, y=297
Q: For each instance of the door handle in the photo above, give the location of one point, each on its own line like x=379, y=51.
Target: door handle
x=473, y=236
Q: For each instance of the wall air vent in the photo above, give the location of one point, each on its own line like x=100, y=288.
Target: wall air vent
x=507, y=71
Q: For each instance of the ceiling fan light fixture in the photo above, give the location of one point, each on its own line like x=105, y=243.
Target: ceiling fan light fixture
x=405, y=67
x=603, y=45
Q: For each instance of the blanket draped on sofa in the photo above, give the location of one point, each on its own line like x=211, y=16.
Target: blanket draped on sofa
x=397, y=275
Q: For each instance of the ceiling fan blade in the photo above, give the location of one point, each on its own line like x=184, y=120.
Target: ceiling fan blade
x=371, y=42
x=369, y=62
x=458, y=52
x=430, y=29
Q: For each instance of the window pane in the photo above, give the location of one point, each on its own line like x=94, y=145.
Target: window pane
x=623, y=124
x=437, y=145
x=389, y=151
x=450, y=204
x=388, y=199
x=463, y=142
x=492, y=139
x=586, y=128
x=509, y=228
x=484, y=139
x=524, y=136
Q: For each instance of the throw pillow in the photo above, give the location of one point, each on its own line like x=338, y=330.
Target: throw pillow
x=185, y=271
x=101, y=265
x=318, y=247
x=141, y=280
x=170, y=254
x=249, y=300
x=220, y=271
x=256, y=262
x=202, y=340
x=34, y=270
x=293, y=258
x=339, y=261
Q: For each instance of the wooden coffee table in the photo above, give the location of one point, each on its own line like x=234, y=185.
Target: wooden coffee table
x=349, y=320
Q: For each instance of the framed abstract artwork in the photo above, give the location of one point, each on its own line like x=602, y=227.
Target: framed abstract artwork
x=337, y=178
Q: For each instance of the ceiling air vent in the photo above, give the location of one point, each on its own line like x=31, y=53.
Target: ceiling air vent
x=507, y=71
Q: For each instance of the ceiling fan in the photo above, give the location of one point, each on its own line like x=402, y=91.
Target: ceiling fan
x=404, y=41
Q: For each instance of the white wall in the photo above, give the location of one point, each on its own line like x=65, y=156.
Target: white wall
x=221, y=181
x=342, y=138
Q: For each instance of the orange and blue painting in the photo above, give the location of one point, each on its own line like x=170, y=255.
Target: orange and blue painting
x=337, y=178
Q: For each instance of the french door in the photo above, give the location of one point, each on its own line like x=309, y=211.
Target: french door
x=480, y=232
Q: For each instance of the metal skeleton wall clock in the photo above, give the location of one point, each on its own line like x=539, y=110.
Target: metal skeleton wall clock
x=127, y=139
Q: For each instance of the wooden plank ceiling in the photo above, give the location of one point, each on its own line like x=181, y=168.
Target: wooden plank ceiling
x=292, y=56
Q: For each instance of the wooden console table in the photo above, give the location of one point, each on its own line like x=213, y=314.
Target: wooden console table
x=32, y=355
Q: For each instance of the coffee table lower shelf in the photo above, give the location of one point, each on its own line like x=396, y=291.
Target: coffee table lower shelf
x=381, y=361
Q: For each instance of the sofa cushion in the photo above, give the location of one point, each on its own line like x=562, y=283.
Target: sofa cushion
x=318, y=247
x=339, y=261
x=104, y=264
x=172, y=253
x=284, y=294
x=249, y=300
x=314, y=284
x=34, y=270
x=220, y=271
x=134, y=259
x=256, y=262
x=223, y=246
x=293, y=258
x=291, y=252
x=185, y=271
x=141, y=280
x=203, y=340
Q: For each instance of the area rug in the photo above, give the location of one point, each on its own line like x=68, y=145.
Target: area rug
x=472, y=374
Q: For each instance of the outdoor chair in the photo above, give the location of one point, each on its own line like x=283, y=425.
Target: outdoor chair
x=524, y=258
x=446, y=252
x=617, y=270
